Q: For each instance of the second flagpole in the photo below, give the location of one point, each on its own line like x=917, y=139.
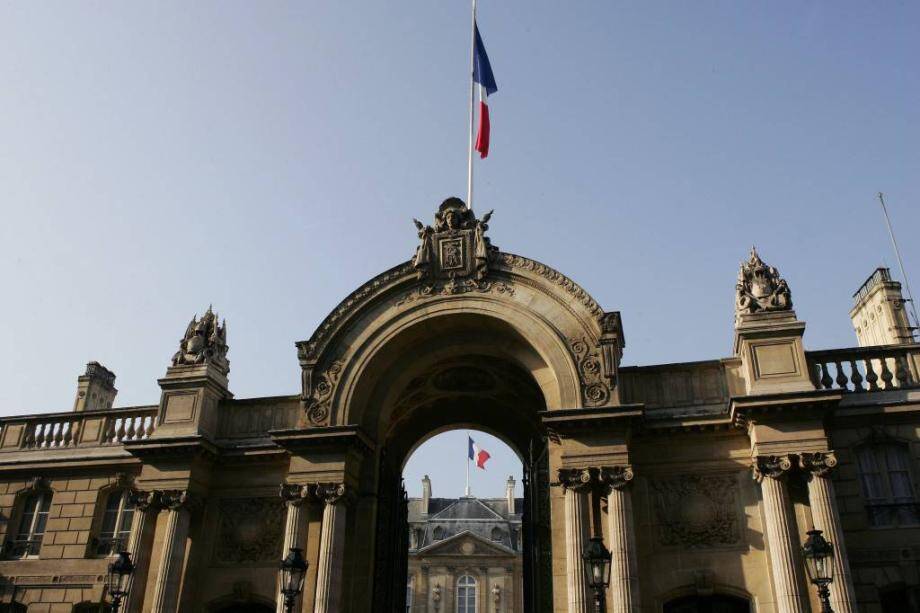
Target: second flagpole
x=469, y=175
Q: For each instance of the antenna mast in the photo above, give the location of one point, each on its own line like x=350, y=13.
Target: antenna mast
x=897, y=253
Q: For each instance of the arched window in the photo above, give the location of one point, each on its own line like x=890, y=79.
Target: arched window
x=27, y=539
x=438, y=533
x=115, y=527
x=497, y=535
x=884, y=471
x=466, y=594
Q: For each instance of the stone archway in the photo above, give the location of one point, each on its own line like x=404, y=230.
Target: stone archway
x=462, y=335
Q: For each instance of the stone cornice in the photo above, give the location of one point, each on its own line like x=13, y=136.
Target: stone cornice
x=330, y=438
x=566, y=421
x=173, y=447
x=790, y=405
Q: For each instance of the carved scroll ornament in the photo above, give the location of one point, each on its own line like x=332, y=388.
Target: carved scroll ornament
x=818, y=463
x=774, y=467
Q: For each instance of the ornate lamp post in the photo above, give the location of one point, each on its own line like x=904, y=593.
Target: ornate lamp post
x=819, y=562
x=293, y=573
x=118, y=579
x=597, y=570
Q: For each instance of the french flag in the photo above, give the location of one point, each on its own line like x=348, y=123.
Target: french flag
x=482, y=74
x=476, y=454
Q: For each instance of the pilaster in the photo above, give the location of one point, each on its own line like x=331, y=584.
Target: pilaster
x=146, y=507
x=178, y=505
x=624, y=565
x=295, y=498
x=771, y=472
x=331, y=548
x=577, y=484
x=826, y=518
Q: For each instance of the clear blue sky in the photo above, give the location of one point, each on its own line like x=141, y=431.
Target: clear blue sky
x=269, y=157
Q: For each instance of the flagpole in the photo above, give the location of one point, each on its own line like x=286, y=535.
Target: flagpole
x=468, y=462
x=897, y=253
x=469, y=175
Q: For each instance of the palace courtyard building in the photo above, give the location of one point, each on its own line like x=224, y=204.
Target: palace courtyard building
x=701, y=478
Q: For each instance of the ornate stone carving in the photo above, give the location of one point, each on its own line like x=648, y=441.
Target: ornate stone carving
x=616, y=477
x=771, y=466
x=318, y=406
x=456, y=286
x=697, y=511
x=760, y=288
x=178, y=499
x=205, y=342
x=146, y=501
x=330, y=493
x=496, y=594
x=574, y=290
x=251, y=531
x=819, y=463
x=456, y=247
x=594, y=388
x=294, y=494
x=578, y=479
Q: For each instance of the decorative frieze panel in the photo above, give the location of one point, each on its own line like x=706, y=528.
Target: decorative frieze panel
x=250, y=531
x=594, y=387
x=697, y=511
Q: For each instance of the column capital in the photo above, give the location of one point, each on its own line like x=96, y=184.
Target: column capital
x=818, y=463
x=772, y=466
x=616, y=477
x=294, y=494
x=145, y=501
x=175, y=500
x=330, y=493
x=577, y=479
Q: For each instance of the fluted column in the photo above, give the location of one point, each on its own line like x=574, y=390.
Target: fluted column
x=624, y=564
x=146, y=507
x=331, y=548
x=576, y=483
x=770, y=472
x=826, y=518
x=294, y=497
x=172, y=555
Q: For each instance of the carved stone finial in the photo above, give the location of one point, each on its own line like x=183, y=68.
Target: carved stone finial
x=456, y=249
x=819, y=463
x=205, y=342
x=771, y=466
x=760, y=288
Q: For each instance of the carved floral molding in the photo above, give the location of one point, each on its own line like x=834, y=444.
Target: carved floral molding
x=697, y=511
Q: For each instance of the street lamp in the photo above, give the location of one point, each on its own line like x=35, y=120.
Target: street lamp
x=293, y=572
x=118, y=579
x=819, y=562
x=597, y=569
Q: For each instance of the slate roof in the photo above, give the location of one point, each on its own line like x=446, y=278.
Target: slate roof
x=486, y=518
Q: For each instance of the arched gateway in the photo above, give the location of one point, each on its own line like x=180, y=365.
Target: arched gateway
x=461, y=335
x=655, y=460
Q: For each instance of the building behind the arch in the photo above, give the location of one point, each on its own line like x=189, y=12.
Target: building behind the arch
x=700, y=477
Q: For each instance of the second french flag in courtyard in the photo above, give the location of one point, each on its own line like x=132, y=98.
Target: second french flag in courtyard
x=482, y=74
x=477, y=454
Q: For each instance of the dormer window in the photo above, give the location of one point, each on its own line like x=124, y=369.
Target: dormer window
x=497, y=535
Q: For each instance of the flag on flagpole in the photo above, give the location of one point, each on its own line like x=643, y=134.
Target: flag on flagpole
x=482, y=74
x=477, y=454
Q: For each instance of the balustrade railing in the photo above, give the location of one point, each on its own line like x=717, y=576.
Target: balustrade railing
x=865, y=369
x=68, y=430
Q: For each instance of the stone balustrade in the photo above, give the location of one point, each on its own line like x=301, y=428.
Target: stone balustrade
x=866, y=369
x=69, y=430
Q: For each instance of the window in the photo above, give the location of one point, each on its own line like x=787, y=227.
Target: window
x=409, y=591
x=438, y=533
x=28, y=538
x=884, y=470
x=466, y=595
x=116, y=523
x=497, y=535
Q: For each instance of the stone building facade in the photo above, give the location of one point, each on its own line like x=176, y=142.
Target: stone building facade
x=465, y=553
x=702, y=477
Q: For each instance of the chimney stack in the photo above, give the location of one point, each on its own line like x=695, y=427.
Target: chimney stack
x=509, y=494
x=95, y=388
x=426, y=494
